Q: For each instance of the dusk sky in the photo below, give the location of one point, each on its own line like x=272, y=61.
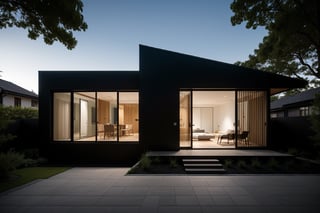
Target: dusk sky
x=117, y=27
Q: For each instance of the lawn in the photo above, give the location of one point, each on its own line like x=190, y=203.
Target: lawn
x=26, y=175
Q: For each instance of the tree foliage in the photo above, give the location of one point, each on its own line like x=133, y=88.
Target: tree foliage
x=55, y=20
x=292, y=46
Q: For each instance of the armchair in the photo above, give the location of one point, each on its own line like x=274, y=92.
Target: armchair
x=243, y=137
x=229, y=136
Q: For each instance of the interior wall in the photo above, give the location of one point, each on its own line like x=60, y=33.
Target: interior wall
x=224, y=117
x=61, y=119
x=202, y=118
x=91, y=118
x=131, y=116
x=91, y=121
x=103, y=111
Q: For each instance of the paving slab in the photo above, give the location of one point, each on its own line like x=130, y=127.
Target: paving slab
x=95, y=189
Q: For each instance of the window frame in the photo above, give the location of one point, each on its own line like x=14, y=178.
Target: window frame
x=95, y=141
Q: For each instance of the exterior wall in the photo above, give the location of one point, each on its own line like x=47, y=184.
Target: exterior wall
x=91, y=81
x=8, y=100
x=293, y=112
x=164, y=74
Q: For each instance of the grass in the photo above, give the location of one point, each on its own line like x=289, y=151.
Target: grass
x=26, y=175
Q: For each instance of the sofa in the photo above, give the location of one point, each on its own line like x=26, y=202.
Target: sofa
x=200, y=134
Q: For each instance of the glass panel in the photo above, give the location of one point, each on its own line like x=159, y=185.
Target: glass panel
x=128, y=116
x=185, y=119
x=84, y=116
x=107, y=116
x=61, y=116
x=213, y=119
x=252, y=119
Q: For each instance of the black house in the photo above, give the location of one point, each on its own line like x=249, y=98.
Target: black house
x=175, y=101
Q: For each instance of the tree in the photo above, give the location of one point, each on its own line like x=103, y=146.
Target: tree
x=292, y=46
x=55, y=20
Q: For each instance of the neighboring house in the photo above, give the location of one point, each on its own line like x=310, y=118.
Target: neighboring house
x=298, y=105
x=174, y=101
x=291, y=123
x=14, y=95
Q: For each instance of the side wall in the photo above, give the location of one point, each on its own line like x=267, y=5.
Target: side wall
x=89, y=81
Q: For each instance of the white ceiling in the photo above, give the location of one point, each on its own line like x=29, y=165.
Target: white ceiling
x=124, y=97
x=200, y=98
x=213, y=98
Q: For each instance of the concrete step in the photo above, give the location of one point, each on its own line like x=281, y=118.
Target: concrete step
x=200, y=160
x=203, y=166
x=213, y=165
x=204, y=171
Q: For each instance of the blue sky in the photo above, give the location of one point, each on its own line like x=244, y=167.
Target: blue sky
x=117, y=27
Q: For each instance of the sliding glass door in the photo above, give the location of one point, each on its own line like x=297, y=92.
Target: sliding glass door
x=223, y=119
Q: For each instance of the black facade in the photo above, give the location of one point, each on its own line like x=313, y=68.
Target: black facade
x=162, y=75
x=75, y=81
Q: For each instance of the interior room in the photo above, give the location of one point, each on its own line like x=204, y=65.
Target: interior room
x=213, y=118
x=117, y=120
x=101, y=116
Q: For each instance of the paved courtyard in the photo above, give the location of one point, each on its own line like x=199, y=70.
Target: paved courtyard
x=111, y=190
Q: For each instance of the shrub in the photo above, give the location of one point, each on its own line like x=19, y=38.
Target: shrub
x=173, y=163
x=9, y=117
x=255, y=163
x=289, y=164
x=14, y=113
x=228, y=163
x=273, y=163
x=145, y=162
x=293, y=151
x=31, y=153
x=10, y=161
x=241, y=164
x=156, y=160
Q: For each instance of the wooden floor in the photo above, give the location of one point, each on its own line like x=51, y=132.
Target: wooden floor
x=218, y=153
x=212, y=144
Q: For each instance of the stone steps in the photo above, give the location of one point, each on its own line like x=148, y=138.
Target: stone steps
x=203, y=166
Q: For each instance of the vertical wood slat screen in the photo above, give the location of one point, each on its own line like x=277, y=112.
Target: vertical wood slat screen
x=252, y=117
x=185, y=119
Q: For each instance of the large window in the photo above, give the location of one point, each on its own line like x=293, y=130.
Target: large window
x=128, y=116
x=96, y=116
x=61, y=116
x=223, y=119
x=107, y=116
x=84, y=116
